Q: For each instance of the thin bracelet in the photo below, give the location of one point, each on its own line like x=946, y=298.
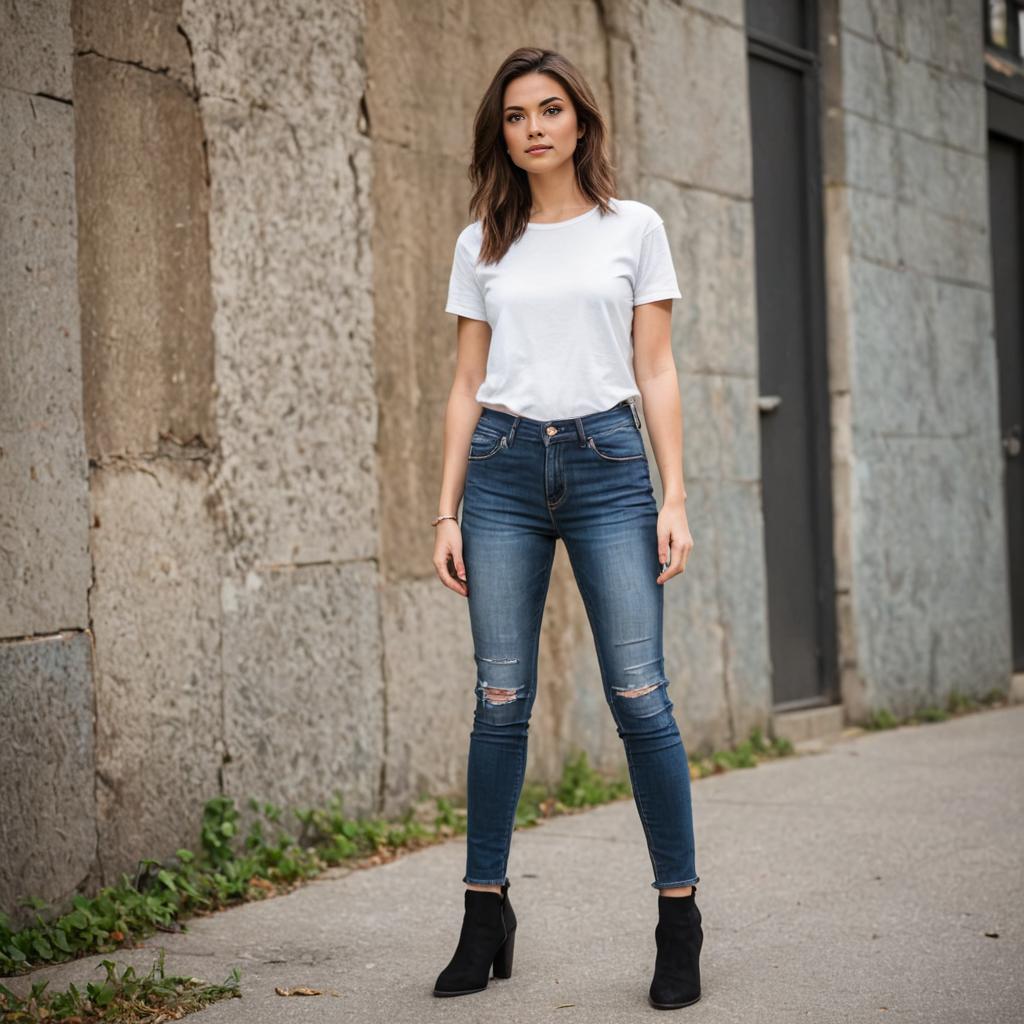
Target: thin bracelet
x=445, y=516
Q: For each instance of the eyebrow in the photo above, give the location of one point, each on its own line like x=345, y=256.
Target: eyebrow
x=543, y=103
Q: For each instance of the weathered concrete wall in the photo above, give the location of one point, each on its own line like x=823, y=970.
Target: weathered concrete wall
x=47, y=758
x=296, y=488
x=920, y=541
x=147, y=365
x=43, y=488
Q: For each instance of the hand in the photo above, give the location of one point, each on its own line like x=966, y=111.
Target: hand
x=673, y=536
x=448, y=556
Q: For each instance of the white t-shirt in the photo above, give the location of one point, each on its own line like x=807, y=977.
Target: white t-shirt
x=560, y=305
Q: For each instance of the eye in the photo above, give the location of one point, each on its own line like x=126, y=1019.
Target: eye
x=510, y=117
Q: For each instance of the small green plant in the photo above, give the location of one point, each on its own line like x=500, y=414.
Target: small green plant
x=930, y=714
x=881, y=718
x=126, y=998
x=745, y=754
x=957, y=703
x=580, y=786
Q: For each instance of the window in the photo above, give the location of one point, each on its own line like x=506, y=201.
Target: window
x=1004, y=26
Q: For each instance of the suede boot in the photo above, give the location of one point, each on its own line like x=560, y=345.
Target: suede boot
x=679, y=937
x=487, y=937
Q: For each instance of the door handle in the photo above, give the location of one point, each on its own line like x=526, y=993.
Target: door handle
x=768, y=403
x=1012, y=442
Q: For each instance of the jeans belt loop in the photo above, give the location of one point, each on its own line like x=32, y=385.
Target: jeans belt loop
x=580, y=432
x=512, y=429
x=632, y=409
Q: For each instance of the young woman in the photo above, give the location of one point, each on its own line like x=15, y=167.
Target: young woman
x=563, y=295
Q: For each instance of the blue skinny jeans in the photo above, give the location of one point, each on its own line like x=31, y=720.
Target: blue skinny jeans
x=587, y=481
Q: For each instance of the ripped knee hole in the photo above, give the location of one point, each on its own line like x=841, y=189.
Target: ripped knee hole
x=498, y=695
x=640, y=692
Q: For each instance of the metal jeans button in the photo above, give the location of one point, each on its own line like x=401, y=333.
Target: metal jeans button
x=552, y=430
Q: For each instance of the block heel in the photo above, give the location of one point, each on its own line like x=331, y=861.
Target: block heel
x=503, y=958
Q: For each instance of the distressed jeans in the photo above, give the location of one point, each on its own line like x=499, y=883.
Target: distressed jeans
x=587, y=481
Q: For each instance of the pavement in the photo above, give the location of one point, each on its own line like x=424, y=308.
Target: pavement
x=878, y=879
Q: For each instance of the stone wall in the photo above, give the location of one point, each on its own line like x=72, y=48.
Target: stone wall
x=48, y=823
x=920, y=527
x=225, y=363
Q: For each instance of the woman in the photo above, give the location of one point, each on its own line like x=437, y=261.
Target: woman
x=563, y=295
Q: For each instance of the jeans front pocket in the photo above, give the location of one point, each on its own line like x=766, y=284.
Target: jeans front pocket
x=620, y=444
x=485, y=443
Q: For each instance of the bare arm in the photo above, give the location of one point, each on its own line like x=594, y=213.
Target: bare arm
x=657, y=380
x=461, y=415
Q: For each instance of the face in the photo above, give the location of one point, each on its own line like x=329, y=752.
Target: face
x=538, y=112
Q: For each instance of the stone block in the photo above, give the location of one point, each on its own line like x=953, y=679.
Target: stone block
x=743, y=603
x=156, y=615
x=36, y=49
x=703, y=141
x=947, y=33
x=868, y=78
x=943, y=179
x=714, y=324
x=874, y=227
x=47, y=768
x=922, y=356
x=147, y=308
x=307, y=70
x=304, y=700
x=698, y=644
x=430, y=675
x=933, y=103
x=141, y=34
x=44, y=557
x=721, y=431
x=296, y=414
x=809, y=724
x=872, y=156
x=942, y=247
x=876, y=20
x=929, y=569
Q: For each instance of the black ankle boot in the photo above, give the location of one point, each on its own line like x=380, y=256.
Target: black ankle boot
x=488, y=937
x=679, y=937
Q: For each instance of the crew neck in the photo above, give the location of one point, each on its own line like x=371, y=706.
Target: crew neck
x=564, y=223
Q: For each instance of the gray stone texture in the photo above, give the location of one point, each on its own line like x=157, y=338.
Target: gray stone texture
x=156, y=616
x=48, y=768
x=44, y=561
x=921, y=564
x=303, y=704
x=290, y=222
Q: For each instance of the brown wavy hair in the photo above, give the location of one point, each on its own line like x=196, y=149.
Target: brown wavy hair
x=501, y=191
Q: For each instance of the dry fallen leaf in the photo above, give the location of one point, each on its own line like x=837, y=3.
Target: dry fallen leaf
x=297, y=991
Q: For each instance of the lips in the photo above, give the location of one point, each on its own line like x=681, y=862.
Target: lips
x=538, y=149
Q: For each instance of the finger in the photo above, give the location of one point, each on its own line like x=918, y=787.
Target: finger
x=663, y=547
x=451, y=582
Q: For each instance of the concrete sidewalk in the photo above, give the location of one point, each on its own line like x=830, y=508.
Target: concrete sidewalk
x=855, y=884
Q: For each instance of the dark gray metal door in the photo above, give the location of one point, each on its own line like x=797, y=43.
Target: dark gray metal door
x=794, y=402
x=1006, y=220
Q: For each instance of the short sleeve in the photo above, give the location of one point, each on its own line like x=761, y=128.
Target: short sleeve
x=465, y=296
x=656, y=273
